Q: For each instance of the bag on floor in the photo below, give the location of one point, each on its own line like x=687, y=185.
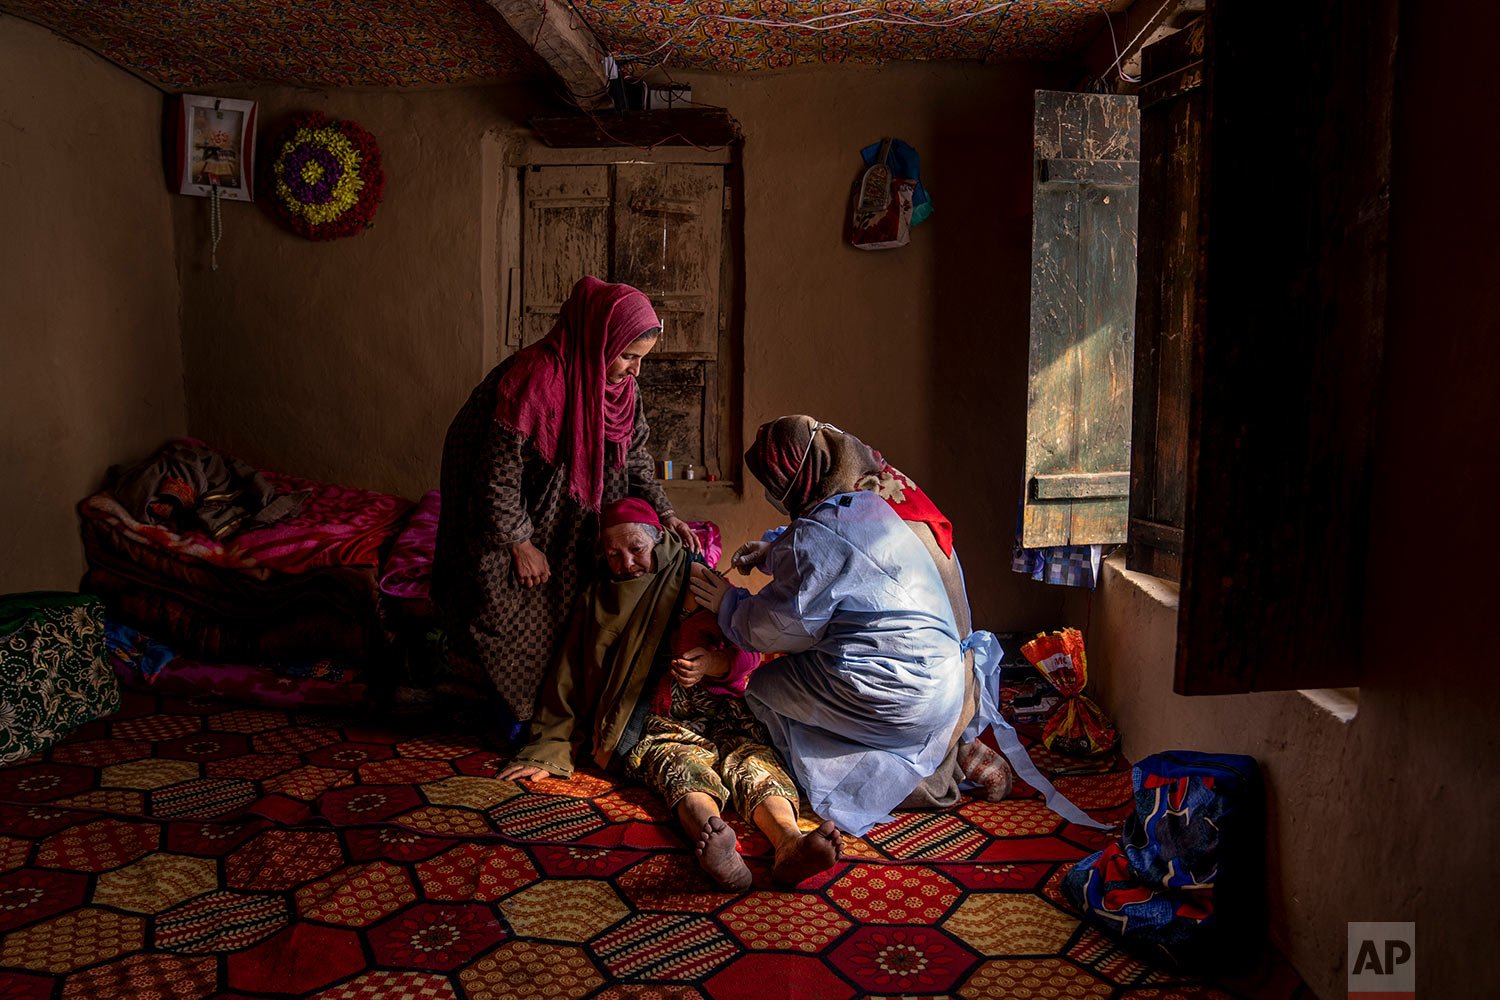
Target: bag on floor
x=1076, y=725
x=54, y=675
x=1183, y=882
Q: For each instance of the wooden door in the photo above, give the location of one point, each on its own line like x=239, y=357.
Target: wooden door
x=661, y=228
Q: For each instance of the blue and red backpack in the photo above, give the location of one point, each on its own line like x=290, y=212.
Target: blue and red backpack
x=1184, y=882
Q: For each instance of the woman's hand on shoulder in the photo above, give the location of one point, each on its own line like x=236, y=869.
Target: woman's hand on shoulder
x=709, y=588
x=680, y=528
x=522, y=772
x=530, y=564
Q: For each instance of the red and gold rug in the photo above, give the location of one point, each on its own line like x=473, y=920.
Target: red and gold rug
x=192, y=848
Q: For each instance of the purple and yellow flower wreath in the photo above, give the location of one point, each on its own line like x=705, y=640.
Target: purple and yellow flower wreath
x=325, y=179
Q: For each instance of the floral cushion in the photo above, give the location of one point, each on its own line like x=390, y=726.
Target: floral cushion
x=54, y=674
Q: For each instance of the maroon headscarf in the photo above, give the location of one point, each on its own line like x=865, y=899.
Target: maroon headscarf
x=803, y=462
x=555, y=392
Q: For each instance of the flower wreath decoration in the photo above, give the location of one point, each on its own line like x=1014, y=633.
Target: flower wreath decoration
x=325, y=179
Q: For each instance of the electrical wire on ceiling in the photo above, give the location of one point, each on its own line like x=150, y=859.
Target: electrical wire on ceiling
x=1119, y=55
x=823, y=22
x=1116, y=43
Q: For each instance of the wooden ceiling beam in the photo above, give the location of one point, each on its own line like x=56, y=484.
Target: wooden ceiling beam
x=565, y=43
x=1170, y=18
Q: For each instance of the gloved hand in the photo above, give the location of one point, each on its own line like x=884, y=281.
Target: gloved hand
x=709, y=588
x=749, y=556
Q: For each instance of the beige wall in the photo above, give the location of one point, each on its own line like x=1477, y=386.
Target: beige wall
x=1391, y=816
x=90, y=365
x=920, y=351
x=346, y=360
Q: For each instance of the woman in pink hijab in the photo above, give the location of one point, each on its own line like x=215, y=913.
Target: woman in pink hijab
x=552, y=432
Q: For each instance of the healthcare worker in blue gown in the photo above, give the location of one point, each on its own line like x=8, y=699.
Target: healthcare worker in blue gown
x=874, y=699
x=863, y=707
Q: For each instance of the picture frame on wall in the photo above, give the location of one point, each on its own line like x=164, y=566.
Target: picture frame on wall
x=214, y=147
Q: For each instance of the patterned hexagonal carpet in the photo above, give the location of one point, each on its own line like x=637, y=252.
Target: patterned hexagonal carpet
x=192, y=848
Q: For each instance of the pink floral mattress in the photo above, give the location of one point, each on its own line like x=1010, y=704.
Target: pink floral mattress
x=336, y=527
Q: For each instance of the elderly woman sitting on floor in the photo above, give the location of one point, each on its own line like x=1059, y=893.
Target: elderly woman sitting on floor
x=666, y=694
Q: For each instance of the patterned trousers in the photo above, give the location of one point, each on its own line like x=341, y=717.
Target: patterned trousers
x=710, y=744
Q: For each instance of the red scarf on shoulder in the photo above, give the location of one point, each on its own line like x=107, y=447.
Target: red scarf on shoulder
x=555, y=392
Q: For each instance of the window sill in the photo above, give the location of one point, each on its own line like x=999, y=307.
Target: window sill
x=1341, y=703
x=1160, y=592
x=1161, y=597
x=691, y=493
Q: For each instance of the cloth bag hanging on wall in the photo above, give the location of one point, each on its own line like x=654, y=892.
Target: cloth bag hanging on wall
x=888, y=198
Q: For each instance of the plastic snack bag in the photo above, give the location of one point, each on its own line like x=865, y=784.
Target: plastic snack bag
x=1076, y=726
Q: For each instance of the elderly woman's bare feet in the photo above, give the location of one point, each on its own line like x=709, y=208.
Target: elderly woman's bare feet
x=800, y=858
x=988, y=769
x=718, y=857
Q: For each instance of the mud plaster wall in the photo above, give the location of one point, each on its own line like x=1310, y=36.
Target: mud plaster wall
x=1386, y=817
x=90, y=360
x=345, y=361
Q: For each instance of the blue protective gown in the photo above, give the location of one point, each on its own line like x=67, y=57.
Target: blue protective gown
x=864, y=707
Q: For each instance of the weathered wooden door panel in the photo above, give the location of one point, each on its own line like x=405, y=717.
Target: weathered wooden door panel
x=669, y=222
x=566, y=236
x=1082, y=319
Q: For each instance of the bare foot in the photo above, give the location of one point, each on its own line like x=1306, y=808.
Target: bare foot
x=717, y=856
x=988, y=768
x=799, y=859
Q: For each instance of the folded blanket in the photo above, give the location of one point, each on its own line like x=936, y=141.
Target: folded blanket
x=408, y=569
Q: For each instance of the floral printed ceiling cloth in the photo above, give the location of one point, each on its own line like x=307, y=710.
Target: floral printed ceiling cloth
x=774, y=34
x=191, y=44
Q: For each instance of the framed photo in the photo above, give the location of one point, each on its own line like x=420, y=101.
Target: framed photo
x=214, y=147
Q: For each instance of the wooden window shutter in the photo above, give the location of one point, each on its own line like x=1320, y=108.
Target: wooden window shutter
x=669, y=226
x=565, y=236
x=1167, y=321
x=1295, y=215
x=1078, y=411
x=660, y=227
x=668, y=229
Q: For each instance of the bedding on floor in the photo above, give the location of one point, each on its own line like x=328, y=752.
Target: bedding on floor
x=144, y=664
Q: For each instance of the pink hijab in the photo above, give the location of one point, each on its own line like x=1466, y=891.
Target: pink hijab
x=555, y=392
